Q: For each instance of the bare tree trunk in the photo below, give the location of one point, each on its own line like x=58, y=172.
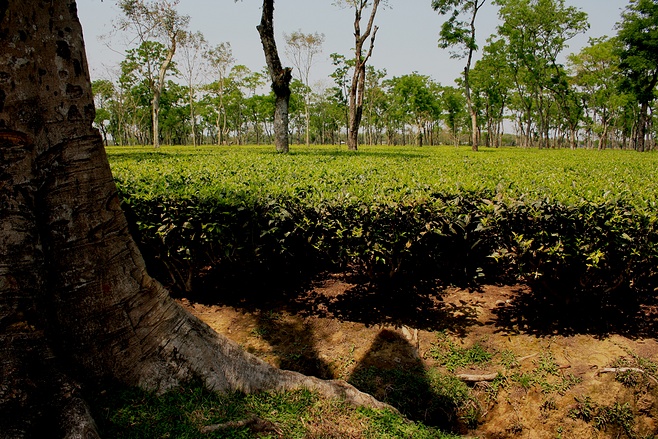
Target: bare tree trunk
x=280, y=76
x=76, y=303
x=467, y=86
x=357, y=88
x=155, y=119
x=157, y=92
x=356, y=113
x=641, y=132
x=192, y=117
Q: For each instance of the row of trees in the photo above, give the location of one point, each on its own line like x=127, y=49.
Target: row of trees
x=603, y=96
x=406, y=109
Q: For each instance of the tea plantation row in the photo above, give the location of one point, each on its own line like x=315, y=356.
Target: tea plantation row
x=580, y=225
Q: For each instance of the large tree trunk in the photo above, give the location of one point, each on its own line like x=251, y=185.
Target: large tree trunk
x=76, y=303
x=280, y=76
x=475, y=129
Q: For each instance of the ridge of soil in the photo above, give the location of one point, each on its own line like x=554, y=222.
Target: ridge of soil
x=341, y=324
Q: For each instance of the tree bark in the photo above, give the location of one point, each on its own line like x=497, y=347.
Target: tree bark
x=467, y=85
x=357, y=88
x=157, y=91
x=280, y=76
x=76, y=303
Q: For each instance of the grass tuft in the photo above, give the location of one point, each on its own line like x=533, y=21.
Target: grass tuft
x=130, y=413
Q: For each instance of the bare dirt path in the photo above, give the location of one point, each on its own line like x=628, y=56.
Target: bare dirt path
x=547, y=379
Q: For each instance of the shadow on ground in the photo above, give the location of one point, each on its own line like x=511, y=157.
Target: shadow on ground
x=286, y=319
x=392, y=372
x=541, y=313
x=355, y=299
x=420, y=305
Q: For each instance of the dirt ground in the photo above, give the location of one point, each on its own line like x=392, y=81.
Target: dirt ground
x=339, y=325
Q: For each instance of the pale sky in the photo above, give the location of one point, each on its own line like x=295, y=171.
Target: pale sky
x=406, y=40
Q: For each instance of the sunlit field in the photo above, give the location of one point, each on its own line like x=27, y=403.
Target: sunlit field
x=387, y=174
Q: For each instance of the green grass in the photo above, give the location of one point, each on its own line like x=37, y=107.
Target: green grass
x=424, y=395
x=452, y=357
x=182, y=413
x=616, y=417
x=387, y=174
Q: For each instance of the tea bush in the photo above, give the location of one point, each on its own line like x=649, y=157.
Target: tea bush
x=577, y=224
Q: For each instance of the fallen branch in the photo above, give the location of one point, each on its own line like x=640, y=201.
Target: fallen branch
x=254, y=423
x=527, y=356
x=627, y=369
x=475, y=378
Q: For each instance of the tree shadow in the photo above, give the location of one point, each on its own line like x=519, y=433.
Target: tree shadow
x=417, y=305
x=392, y=372
x=292, y=341
x=253, y=289
x=359, y=300
x=539, y=312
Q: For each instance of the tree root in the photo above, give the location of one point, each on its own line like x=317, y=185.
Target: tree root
x=197, y=351
x=627, y=369
x=255, y=424
x=476, y=378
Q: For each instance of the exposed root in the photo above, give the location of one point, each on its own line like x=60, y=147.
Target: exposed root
x=627, y=369
x=197, y=351
x=254, y=423
x=476, y=378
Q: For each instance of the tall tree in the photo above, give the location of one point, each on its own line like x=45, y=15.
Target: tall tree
x=156, y=19
x=302, y=48
x=280, y=76
x=139, y=78
x=457, y=32
x=638, y=35
x=536, y=32
x=341, y=79
x=103, y=90
x=491, y=81
x=454, y=115
x=412, y=97
x=596, y=73
x=193, y=46
x=357, y=87
x=76, y=303
x=220, y=59
x=374, y=104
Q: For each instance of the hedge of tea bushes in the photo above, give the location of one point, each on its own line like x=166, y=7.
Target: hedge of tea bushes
x=397, y=214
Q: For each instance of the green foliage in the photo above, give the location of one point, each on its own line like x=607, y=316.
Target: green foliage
x=638, y=53
x=387, y=425
x=616, y=417
x=640, y=370
x=578, y=224
x=452, y=356
x=535, y=33
x=585, y=409
x=638, y=35
x=428, y=396
x=546, y=377
x=413, y=99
